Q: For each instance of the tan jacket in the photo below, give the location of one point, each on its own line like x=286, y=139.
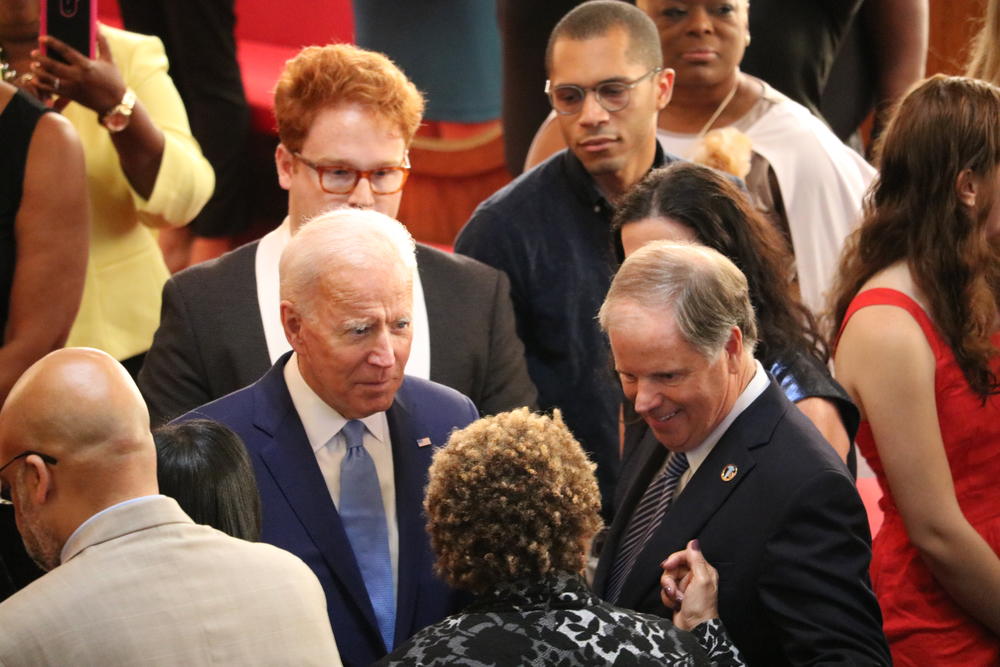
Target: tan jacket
x=140, y=583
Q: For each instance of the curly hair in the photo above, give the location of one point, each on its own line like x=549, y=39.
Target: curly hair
x=320, y=77
x=723, y=219
x=944, y=126
x=510, y=497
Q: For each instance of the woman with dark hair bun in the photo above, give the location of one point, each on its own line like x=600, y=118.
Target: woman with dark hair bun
x=205, y=467
x=689, y=202
x=916, y=306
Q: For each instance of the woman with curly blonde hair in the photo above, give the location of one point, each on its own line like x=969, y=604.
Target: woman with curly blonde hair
x=511, y=508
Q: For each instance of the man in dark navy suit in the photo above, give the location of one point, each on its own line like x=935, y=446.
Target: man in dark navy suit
x=341, y=439
x=723, y=457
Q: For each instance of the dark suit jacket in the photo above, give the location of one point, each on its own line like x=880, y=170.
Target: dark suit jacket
x=788, y=536
x=211, y=341
x=299, y=515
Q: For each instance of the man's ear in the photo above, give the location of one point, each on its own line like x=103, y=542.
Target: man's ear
x=966, y=187
x=291, y=322
x=664, y=87
x=734, y=347
x=284, y=161
x=37, y=479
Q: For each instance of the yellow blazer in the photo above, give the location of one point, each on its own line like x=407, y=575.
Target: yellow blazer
x=125, y=271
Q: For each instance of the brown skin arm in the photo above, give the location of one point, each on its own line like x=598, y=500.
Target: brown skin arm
x=97, y=84
x=898, y=32
x=52, y=230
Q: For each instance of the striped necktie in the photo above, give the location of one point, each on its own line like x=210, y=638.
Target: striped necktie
x=647, y=516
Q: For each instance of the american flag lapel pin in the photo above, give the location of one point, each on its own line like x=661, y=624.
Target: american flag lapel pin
x=424, y=442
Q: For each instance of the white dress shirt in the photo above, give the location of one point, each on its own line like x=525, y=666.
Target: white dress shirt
x=322, y=425
x=266, y=262
x=758, y=383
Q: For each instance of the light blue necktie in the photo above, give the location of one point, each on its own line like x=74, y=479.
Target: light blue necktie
x=363, y=516
x=648, y=515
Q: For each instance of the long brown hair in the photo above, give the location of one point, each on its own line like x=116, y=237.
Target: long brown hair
x=942, y=127
x=984, y=63
x=722, y=218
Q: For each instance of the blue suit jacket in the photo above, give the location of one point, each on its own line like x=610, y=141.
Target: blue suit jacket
x=299, y=515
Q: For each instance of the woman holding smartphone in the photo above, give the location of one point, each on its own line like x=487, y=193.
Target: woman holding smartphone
x=144, y=169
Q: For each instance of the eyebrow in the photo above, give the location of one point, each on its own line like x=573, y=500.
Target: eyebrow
x=343, y=162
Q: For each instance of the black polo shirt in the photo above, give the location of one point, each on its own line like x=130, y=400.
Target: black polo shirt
x=550, y=231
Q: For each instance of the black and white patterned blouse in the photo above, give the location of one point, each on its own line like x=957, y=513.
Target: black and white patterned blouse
x=558, y=621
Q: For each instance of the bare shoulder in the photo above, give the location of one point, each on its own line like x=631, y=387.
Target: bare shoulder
x=883, y=345
x=54, y=132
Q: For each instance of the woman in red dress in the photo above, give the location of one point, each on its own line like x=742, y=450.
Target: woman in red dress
x=916, y=306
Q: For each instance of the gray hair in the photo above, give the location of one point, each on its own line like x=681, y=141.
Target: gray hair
x=342, y=237
x=708, y=295
x=598, y=17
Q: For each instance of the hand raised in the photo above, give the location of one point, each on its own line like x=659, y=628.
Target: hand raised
x=689, y=586
x=96, y=84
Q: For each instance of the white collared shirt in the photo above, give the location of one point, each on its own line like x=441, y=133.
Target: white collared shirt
x=758, y=383
x=322, y=425
x=266, y=262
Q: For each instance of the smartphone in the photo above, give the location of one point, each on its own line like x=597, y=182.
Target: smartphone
x=73, y=22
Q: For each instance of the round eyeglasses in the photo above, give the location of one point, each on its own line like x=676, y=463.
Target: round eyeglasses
x=340, y=180
x=568, y=98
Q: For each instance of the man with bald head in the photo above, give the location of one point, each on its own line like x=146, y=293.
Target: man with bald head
x=722, y=457
x=130, y=577
x=341, y=439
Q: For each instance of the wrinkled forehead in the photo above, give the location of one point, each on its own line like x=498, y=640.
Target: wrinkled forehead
x=365, y=282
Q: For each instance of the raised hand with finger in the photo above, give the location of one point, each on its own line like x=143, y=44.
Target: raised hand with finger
x=690, y=586
x=94, y=83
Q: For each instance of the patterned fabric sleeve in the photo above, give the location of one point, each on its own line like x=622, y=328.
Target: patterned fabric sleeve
x=715, y=640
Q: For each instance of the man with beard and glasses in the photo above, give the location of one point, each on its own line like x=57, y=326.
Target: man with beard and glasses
x=131, y=578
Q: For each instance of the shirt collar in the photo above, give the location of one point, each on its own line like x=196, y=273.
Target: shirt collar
x=758, y=383
x=320, y=421
x=582, y=183
x=69, y=547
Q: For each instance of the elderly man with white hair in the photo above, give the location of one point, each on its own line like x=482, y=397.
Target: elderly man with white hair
x=341, y=439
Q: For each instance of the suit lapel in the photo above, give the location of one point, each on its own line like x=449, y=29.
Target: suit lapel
x=252, y=356
x=292, y=463
x=410, y=463
x=704, y=494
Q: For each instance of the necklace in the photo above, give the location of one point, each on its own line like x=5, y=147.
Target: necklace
x=718, y=110
x=7, y=72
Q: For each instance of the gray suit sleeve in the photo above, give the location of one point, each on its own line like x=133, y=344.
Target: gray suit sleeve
x=173, y=376
x=507, y=383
